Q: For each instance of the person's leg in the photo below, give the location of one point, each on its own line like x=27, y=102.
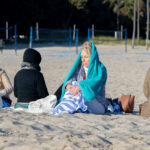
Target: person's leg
x=96, y=107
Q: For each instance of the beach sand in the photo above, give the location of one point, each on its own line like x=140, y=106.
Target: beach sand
x=126, y=71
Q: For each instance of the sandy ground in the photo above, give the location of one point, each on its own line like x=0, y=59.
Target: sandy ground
x=126, y=72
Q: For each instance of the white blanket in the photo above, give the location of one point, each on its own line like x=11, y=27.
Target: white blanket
x=46, y=105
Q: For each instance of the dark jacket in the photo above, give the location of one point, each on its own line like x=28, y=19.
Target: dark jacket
x=29, y=85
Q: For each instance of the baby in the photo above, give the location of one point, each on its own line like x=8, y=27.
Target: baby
x=71, y=104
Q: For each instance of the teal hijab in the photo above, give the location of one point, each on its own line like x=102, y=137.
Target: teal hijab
x=96, y=76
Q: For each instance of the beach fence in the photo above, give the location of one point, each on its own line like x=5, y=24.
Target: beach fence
x=63, y=37
x=108, y=36
x=8, y=37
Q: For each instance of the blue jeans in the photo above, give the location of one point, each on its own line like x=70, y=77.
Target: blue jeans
x=6, y=102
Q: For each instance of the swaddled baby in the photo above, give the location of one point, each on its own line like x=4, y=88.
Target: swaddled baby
x=71, y=104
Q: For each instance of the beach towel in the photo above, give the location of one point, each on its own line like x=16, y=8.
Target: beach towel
x=71, y=104
x=96, y=76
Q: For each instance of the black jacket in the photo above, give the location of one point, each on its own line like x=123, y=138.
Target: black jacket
x=29, y=85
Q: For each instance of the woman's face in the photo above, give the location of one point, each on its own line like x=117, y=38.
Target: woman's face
x=85, y=58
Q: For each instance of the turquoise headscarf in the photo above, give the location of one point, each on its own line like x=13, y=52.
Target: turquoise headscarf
x=96, y=76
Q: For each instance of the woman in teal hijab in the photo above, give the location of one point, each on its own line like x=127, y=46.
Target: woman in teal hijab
x=91, y=75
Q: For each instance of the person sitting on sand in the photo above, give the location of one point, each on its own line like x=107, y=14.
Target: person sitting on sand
x=29, y=83
x=5, y=89
x=145, y=107
x=87, y=94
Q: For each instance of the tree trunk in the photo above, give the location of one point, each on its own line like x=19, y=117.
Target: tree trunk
x=138, y=19
x=134, y=24
x=147, y=30
x=118, y=14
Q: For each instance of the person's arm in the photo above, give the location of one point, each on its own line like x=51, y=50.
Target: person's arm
x=147, y=84
x=73, y=78
x=6, y=84
x=41, y=86
x=15, y=86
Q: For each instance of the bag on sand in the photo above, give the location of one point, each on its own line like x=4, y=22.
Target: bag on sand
x=43, y=105
x=144, y=109
x=127, y=103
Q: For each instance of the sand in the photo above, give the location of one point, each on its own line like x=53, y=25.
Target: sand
x=126, y=72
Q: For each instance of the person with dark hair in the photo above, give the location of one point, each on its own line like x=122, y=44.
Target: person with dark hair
x=5, y=89
x=29, y=83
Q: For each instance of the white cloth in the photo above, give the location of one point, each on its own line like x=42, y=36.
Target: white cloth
x=2, y=92
x=46, y=105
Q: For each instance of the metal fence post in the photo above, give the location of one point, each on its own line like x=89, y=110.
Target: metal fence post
x=125, y=30
x=31, y=36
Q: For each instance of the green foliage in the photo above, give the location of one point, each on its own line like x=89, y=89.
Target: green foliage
x=65, y=13
x=111, y=41
x=79, y=4
x=125, y=7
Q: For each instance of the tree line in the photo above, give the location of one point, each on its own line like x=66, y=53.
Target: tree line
x=62, y=14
